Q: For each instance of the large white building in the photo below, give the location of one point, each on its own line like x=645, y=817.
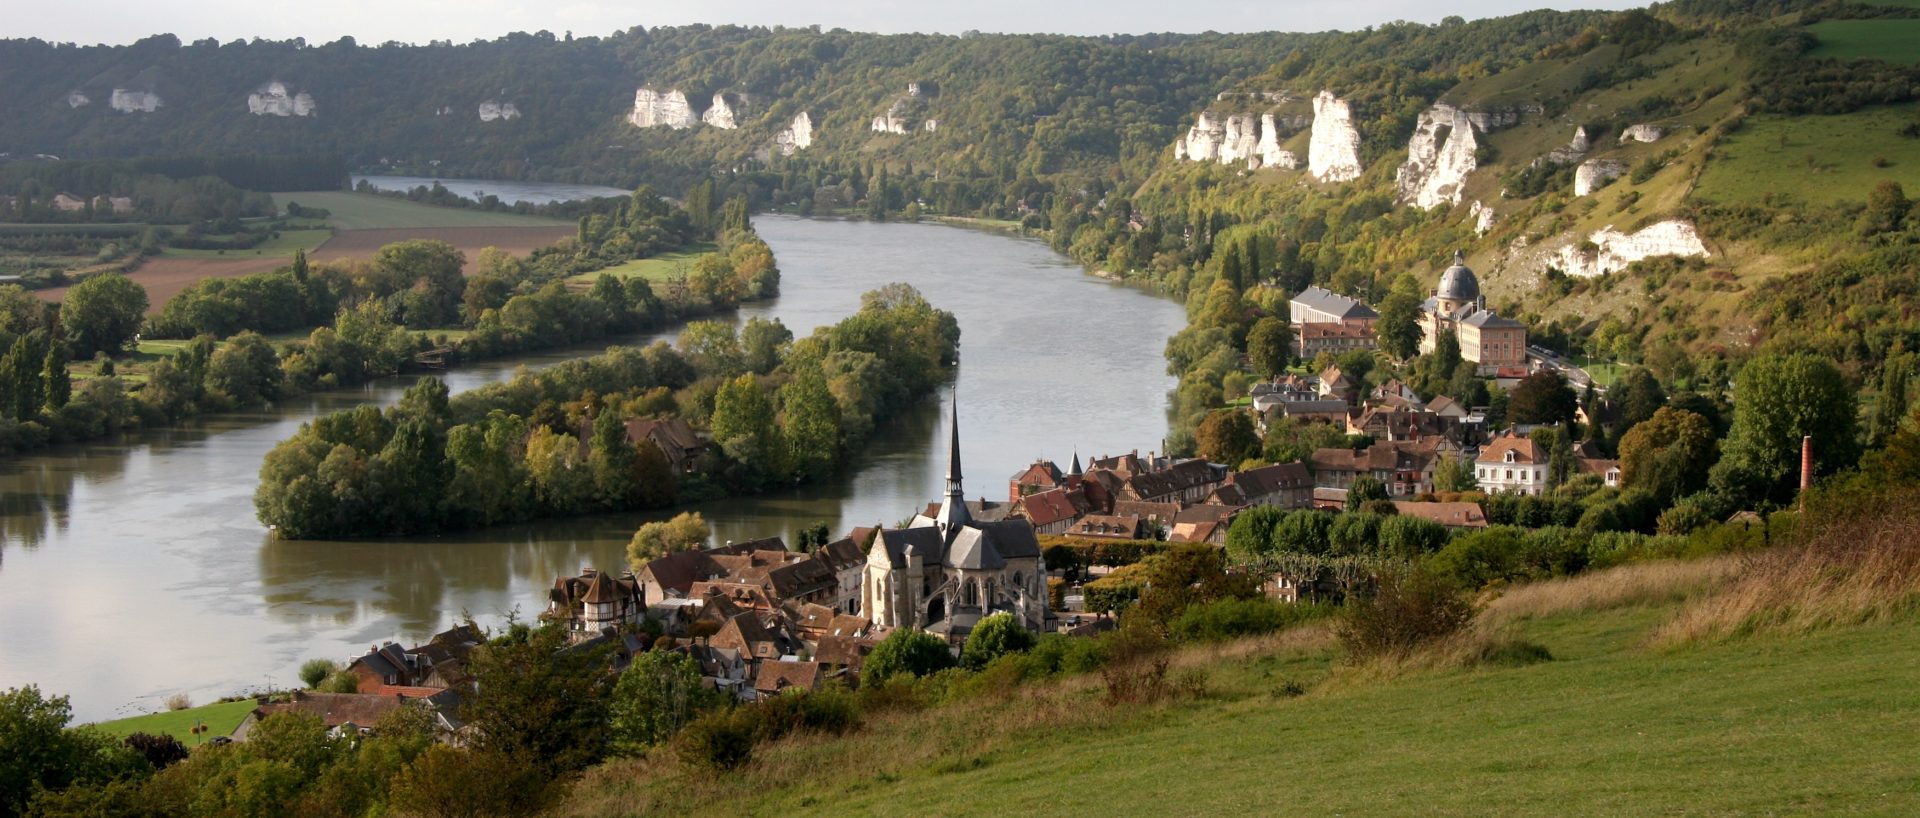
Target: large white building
x=1513, y=464
x=943, y=574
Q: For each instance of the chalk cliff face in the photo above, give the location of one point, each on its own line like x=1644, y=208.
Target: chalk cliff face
x=1594, y=174
x=932, y=125
x=795, y=137
x=720, y=115
x=127, y=101
x=1573, y=151
x=888, y=123
x=1641, y=133
x=1268, y=152
x=1333, y=155
x=1436, y=171
x=274, y=99
x=1616, y=250
x=77, y=100
x=495, y=110
x=1482, y=218
x=1202, y=142
x=656, y=108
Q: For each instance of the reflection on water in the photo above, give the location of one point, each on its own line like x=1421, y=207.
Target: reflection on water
x=135, y=569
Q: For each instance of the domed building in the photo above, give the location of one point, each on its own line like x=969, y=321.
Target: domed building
x=1457, y=307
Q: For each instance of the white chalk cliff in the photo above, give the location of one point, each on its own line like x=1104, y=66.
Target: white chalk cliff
x=492, y=110
x=1641, y=133
x=77, y=100
x=932, y=125
x=1333, y=155
x=1436, y=172
x=1615, y=250
x=145, y=102
x=795, y=137
x=272, y=99
x=720, y=115
x=1594, y=174
x=654, y=108
x=1268, y=152
x=1575, y=149
x=1482, y=218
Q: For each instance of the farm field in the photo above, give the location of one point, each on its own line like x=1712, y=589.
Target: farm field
x=360, y=211
x=1896, y=41
x=220, y=719
x=664, y=267
x=349, y=244
x=283, y=246
x=1833, y=158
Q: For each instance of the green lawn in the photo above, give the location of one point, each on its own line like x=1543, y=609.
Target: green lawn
x=664, y=267
x=1891, y=40
x=220, y=720
x=281, y=247
x=1603, y=373
x=1819, y=159
x=1810, y=725
x=361, y=211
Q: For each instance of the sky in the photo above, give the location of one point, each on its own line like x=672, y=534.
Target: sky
x=376, y=21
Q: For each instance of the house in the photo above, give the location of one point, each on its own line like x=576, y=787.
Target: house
x=1309, y=340
x=774, y=677
x=673, y=575
x=343, y=713
x=675, y=437
x=1156, y=514
x=1512, y=463
x=1052, y=511
x=386, y=664
x=849, y=564
x=1405, y=467
x=1451, y=515
x=1185, y=482
x=1206, y=531
x=1382, y=423
x=1609, y=470
x=723, y=669
x=1446, y=407
x=1287, y=485
x=1317, y=305
x=1334, y=384
x=1110, y=527
x=595, y=600
x=1043, y=475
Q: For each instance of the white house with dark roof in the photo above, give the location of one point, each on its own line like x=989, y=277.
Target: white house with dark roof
x=944, y=573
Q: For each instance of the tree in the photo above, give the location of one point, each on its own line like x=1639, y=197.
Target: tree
x=20, y=368
x=246, y=370
x=1637, y=396
x=1542, y=397
x=56, y=383
x=430, y=272
x=1777, y=400
x=1270, y=346
x=1227, y=436
x=1890, y=406
x=1665, y=454
x=1251, y=536
x=656, y=696
x=37, y=750
x=538, y=704
x=906, y=652
x=744, y=426
x=315, y=671
x=102, y=313
x=995, y=635
x=448, y=782
x=712, y=348
x=685, y=532
x=811, y=422
x=1454, y=473
x=1365, y=489
x=761, y=344
x=1398, y=328
x=615, y=463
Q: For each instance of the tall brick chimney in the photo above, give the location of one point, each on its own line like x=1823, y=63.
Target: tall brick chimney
x=1806, y=463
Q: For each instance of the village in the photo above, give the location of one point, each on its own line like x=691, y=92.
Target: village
x=760, y=617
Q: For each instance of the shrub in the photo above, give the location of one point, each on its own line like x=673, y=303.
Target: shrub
x=1136, y=670
x=1059, y=654
x=828, y=710
x=315, y=671
x=1225, y=619
x=722, y=740
x=906, y=652
x=1405, y=612
x=179, y=701
x=994, y=636
x=159, y=751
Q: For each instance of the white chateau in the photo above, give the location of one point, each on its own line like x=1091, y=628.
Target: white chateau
x=942, y=574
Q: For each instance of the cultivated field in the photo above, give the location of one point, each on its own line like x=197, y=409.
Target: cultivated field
x=164, y=277
x=360, y=211
x=1895, y=41
x=1829, y=158
x=348, y=244
x=283, y=246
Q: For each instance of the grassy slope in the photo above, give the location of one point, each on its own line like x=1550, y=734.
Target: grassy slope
x=664, y=267
x=220, y=719
x=1891, y=40
x=359, y=211
x=1826, y=158
x=1818, y=724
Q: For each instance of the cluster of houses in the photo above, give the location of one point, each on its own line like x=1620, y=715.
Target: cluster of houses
x=69, y=203
x=432, y=675
x=1324, y=321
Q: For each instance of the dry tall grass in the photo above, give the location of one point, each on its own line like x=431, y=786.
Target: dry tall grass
x=1845, y=569
x=1649, y=583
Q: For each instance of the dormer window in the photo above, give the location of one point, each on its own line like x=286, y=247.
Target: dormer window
x=1509, y=456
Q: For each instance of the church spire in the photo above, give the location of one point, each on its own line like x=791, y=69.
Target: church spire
x=953, y=452
x=1076, y=464
x=953, y=512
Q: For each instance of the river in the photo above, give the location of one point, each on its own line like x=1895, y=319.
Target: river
x=133, y=570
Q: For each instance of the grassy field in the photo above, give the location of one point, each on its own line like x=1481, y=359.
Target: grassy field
x=220, y=720
x=281, y=247
x=359, y=211
x=663, y=267
x=1819, y=723
x=1895, y=41
x=1820, y=159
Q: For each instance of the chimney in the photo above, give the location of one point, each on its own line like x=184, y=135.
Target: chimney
x=1806, y=463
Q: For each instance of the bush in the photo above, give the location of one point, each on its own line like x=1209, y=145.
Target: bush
x=1225, y=619
x=179, y=701
x=994, y=636
x=906, y=652
x=1059, y=654
x=315, y=671
x=1405, y=612
x=722, y=740
x=159, y=751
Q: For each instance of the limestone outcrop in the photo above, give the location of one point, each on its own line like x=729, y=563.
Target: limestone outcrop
x=1333, y=154
x=1435, y=172
x=1613, y=250
x=931, y=125
x=653, y=109
x=76, y=99
x=131, y=101
x=1574, y=151
x=1594, y=174
x=275, y=99
x=795, y=137
x=1482, y=216
x=721, y=114
x=494, y=110
x=1268, y=152
x=888, y=123
x=1641, y=133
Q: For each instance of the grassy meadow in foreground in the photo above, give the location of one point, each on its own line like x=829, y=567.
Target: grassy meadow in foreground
x=220, y=719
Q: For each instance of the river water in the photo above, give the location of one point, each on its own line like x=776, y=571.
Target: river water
x=133, y=570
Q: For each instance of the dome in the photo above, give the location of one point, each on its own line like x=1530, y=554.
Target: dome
x=1458, y=282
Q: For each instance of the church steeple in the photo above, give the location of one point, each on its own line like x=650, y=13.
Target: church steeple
x=1076, y=464
x=953, y=512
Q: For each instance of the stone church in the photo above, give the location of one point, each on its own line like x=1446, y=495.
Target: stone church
x=1457, y=307
x=942, y=574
